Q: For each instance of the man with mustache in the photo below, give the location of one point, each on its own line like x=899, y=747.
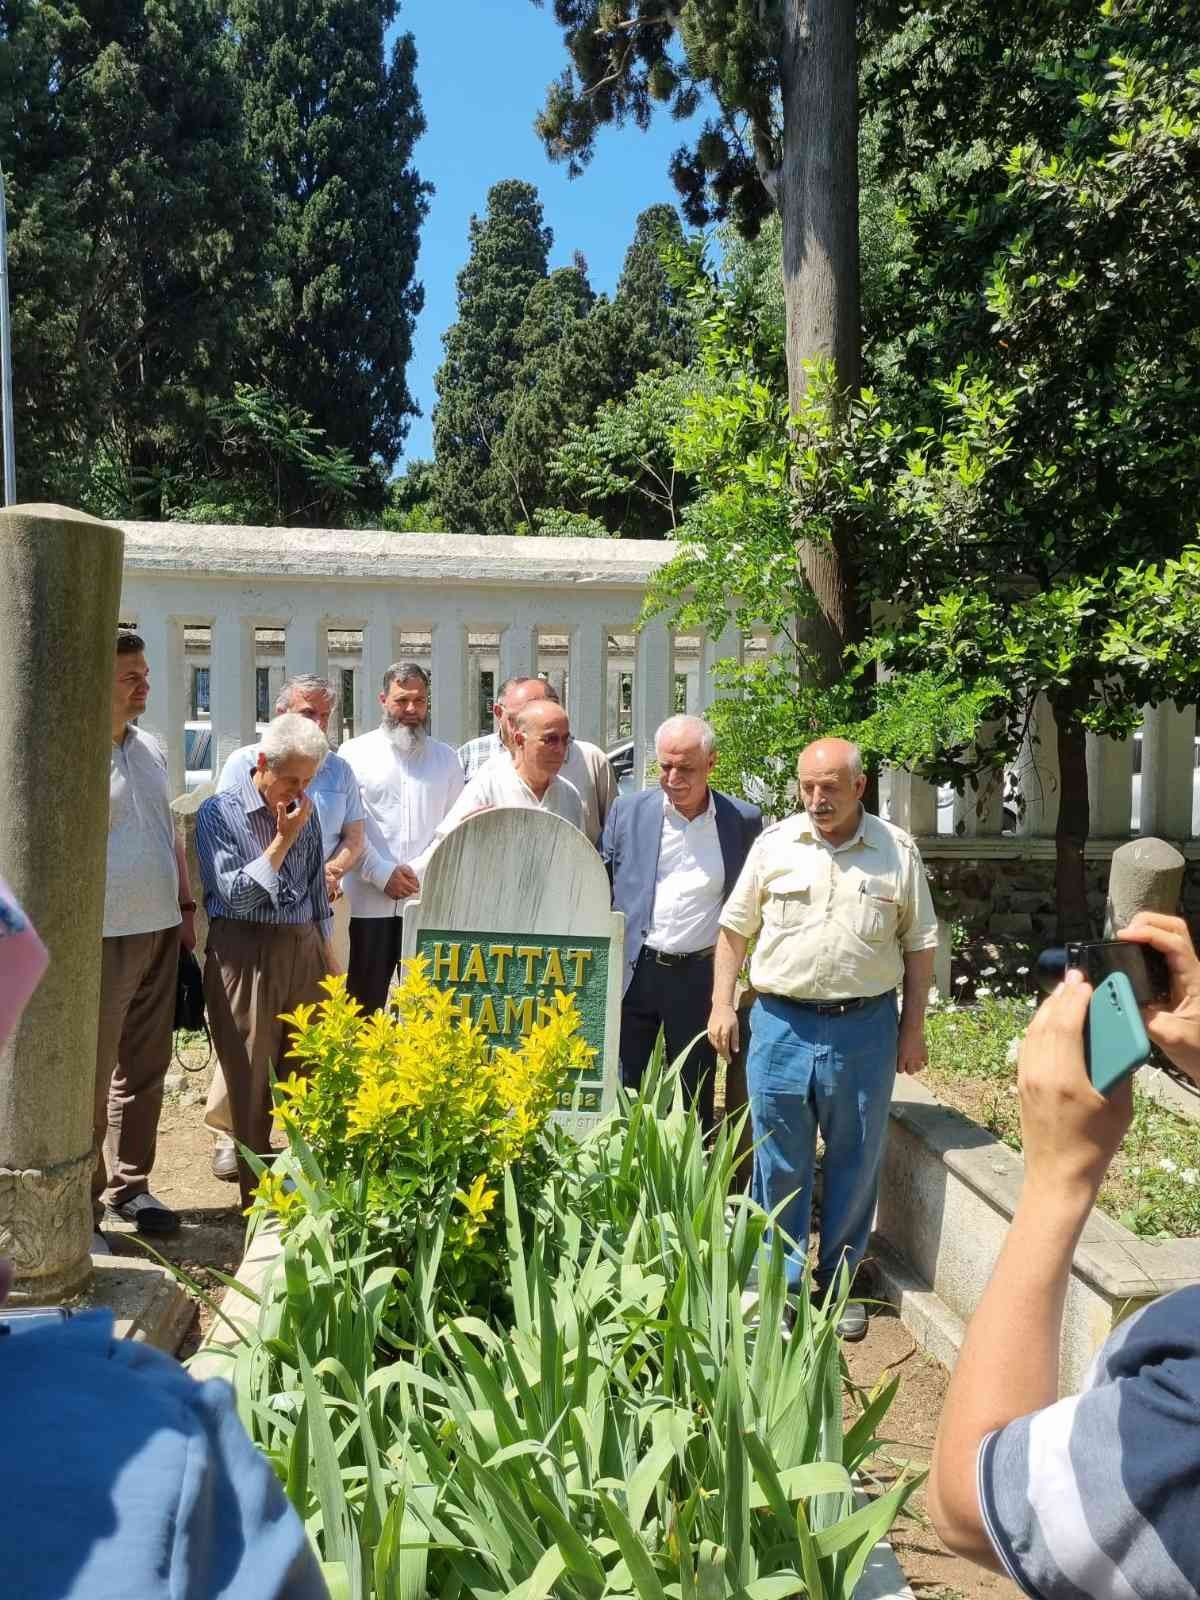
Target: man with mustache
x=408, y=783
x=841, y=910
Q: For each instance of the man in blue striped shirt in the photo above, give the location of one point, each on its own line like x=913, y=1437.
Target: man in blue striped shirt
x=1094, y=1496
x=262, y=861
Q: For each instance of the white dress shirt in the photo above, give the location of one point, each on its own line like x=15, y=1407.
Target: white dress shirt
x=689, y=885
x=497, y=784
x=404, y=798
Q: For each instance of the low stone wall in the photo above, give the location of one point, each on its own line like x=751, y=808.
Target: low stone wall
x=1003, y=889
x=946, y=1199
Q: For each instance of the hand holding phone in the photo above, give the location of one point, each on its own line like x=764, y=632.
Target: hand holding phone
x=1115, y=1041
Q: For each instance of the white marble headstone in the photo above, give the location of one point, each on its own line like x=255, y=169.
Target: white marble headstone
x=515, y=905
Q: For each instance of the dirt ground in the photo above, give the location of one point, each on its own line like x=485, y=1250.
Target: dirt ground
x=212, y=1238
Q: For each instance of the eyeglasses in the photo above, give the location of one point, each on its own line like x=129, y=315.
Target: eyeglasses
x=553, y=740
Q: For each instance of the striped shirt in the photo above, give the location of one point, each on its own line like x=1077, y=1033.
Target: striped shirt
x=1095, y=1498
x=477, y=752
x=234, y=829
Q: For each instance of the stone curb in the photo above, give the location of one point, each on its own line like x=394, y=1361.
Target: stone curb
x=216, y=1355
x=148, y=1303
x=927, y=1317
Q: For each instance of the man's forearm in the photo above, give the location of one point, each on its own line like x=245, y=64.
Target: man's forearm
x=727, y=963
x=181, y=867
x=1008, y=1366
x=918, y=975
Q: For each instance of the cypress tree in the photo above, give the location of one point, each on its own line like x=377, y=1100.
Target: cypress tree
x=332, y=119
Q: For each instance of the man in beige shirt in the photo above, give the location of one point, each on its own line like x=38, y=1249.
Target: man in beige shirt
x=842, y=913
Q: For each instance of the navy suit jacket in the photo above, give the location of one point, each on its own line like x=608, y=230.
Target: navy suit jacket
x=630, y=844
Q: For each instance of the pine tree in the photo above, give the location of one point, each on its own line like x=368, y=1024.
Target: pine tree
x=509, y=251
x=136, y=226
x=333, y=123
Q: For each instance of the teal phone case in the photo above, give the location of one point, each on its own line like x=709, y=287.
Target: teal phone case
x=1115, y=1039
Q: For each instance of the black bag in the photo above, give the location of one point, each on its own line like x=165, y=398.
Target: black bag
x=189, y=993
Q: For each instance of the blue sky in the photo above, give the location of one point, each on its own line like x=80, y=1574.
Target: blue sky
x=482, y=70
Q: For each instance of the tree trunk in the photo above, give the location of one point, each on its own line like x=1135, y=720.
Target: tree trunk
x=1074, y=820
x=818, y=202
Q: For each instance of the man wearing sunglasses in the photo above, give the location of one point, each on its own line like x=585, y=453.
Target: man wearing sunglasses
x=529, y=777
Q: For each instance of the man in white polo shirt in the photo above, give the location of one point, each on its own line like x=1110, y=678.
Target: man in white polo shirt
x=408, y=783
x=148, y=913
x=585, y=767
x=530, y=779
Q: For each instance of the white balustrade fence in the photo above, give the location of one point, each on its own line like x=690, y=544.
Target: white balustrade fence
x=252, y=605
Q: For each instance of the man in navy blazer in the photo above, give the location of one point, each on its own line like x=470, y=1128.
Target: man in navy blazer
x=673, y=854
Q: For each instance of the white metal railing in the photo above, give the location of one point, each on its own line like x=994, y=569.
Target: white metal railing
x=240, y=601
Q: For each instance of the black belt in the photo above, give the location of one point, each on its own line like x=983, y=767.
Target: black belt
x=832, y=1008
x=666, y=959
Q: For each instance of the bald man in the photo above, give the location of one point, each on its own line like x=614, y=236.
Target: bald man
x=840, y=908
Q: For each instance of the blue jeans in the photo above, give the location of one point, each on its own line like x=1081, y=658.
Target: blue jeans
x=805, y=1071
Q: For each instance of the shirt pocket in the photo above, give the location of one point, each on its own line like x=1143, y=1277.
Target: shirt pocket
x=875, y=911
x=789, y=900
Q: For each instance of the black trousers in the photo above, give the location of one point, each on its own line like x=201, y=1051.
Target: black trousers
x=676, y=997
x=374, y=956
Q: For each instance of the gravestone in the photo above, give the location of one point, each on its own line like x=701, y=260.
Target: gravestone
x=516, y=905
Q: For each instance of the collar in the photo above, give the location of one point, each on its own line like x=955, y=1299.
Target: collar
x=807, y=830
x=706, y=815
x=247, y=794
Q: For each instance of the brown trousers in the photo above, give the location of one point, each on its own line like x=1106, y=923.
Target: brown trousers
x=138, y=977
x=253, y=972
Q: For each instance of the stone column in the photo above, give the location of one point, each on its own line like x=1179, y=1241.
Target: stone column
x=1168, y=759
x=60, y=584
x=184, y=810
x=379, y=653
x=727, y=648
x=653, y=691
x=913, y=804
x=448, y=682
x=305, y=648
x=1110, y=781
x=167, y=710
x=232, y=687
x=518, y=651
x=587, y=699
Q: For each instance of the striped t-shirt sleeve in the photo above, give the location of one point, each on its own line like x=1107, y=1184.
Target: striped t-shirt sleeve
x=1098, y=1496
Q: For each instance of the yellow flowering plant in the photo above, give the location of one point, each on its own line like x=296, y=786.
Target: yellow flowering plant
x=413, y=1116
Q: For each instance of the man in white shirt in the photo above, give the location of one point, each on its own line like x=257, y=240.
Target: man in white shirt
x=673, y=854
x=529, y=778
x=339, y=808
x=408, y=783
x=148, y=914
x=586, y=766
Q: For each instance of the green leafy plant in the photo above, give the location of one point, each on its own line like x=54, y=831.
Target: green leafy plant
x=414, y=1118
x=640, y=1429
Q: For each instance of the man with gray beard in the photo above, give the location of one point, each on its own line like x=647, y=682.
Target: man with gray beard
x=408, y=782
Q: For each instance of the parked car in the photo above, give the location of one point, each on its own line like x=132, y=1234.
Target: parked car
x=197, y=754
x=621, y=756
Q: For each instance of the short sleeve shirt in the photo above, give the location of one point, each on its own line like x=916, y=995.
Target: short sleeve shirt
x=1096, y=1497
x=141, y=892
x=832, y=922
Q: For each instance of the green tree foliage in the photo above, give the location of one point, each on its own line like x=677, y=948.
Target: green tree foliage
x=332, y=119
x=537, y=359
x=509, y=251
x=137, y=224
x=1030, y=432
x=782, y=80
x=412, y=504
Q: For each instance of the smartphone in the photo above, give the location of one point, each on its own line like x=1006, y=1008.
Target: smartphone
x=22, y=1319
x=1145, y=967
x=1115, y=1042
